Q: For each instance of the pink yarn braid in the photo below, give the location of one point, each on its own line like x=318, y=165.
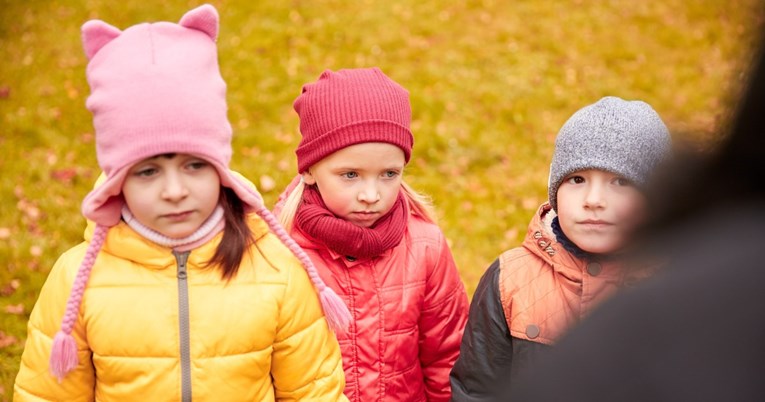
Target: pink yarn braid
x=63, y=355
x=335, y=310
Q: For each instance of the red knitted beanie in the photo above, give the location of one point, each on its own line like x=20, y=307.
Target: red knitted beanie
x=350, y=107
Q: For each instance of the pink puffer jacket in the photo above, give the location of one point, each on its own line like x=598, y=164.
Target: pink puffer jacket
x=409, y=309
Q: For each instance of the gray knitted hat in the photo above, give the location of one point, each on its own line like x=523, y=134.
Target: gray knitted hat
x=627, y=138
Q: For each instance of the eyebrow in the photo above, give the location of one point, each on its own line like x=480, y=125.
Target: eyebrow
x=365, y=169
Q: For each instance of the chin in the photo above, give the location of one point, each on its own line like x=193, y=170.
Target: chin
x=366, y=225
x=598, y=245
x=599, y=248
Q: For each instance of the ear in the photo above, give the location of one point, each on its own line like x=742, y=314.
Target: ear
x=96, y=34
x=203, y=18
x=308, y=178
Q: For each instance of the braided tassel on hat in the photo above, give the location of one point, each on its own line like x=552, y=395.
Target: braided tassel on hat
x=63, y=355
x=338, y=316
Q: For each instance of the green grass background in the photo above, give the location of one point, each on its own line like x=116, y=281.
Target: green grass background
x=491, y=82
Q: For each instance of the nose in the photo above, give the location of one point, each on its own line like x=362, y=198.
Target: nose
x=369, y=194
x=595, y=197
x=174, y=189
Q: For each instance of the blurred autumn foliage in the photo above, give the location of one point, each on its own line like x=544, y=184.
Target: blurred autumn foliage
x=491, y=82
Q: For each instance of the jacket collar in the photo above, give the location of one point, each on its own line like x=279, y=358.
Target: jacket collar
x=541, y=241
x=125, y=243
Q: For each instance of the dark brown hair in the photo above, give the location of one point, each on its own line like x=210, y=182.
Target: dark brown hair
x=237, y=237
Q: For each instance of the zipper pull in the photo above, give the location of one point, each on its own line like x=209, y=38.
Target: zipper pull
x=182, y=258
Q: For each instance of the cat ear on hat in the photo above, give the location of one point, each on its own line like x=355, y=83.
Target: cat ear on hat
x=95, y=35
x=203, y=18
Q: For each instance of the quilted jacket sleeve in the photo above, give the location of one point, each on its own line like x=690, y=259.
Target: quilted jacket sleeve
x=487, y=350
x=34, y=381
x=442, y=321
x=306, y=362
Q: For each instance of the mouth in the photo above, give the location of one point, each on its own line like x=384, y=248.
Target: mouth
x=178, y=216
x=365, y=215
x=595, y=223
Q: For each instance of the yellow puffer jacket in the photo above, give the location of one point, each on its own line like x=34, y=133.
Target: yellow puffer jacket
x=260, y=337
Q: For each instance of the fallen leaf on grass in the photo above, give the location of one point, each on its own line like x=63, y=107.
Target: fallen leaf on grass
x=35, y=251
x=15, y=309
x=64, y=175
x=29, y=209
x=283, y=165
x=9, y=288
x=5, y=341
x=267, y=183
x=511, y=234
x=529, y=203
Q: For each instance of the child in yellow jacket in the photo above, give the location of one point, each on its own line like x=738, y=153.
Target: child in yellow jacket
x=186, y=285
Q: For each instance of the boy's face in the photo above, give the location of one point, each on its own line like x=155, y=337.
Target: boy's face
x=359, y=183
x=172, y=194
x=599, y=211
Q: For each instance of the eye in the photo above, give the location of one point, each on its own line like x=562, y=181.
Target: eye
x=145, y=172
x=390, y=174
x=350, y=175
x=621, y=181
x=575, y=180
x=197, y=164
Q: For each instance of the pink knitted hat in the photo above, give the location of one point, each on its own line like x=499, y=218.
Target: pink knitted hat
x=351, y=107
x=156, y=89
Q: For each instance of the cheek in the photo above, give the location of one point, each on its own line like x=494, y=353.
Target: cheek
x=631, y=211
x=389, y=190
x=209, y=185
x=337, y=199
x=133, y=195
x=565, y=215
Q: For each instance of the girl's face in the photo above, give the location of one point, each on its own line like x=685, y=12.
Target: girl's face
x=599, y=211
x=359, y=183
x=172, y=194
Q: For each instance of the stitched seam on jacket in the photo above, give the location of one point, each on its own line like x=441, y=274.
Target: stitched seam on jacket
x=381, y=339
x=388, y=376
x=401, y=331
x=353, y=331
x=451, y=294
x=402, y=286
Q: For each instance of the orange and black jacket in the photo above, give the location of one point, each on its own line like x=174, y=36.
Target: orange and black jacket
x=524, y=302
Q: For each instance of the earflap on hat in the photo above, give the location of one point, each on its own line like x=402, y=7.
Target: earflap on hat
x=104, y=203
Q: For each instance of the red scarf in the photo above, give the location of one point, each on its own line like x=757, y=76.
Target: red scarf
x=322, y=226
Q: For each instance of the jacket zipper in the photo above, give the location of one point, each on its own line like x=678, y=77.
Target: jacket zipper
x=183, y=323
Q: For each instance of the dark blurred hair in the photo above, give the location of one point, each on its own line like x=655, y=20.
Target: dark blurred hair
x=734, y=172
